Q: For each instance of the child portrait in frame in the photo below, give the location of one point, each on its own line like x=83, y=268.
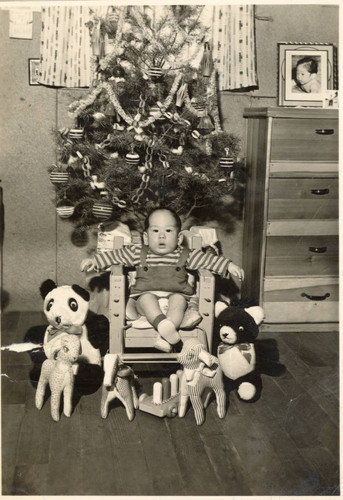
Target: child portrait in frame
x=305, y=73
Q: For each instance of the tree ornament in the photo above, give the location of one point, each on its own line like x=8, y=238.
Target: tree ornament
x=119, y=72
x=98, y=117
x=205, y=125
x=76, y=133
x=196, y=135
x=95, y=184
x=132, y=158
x=112, y=15
x=118, y=126
x=197, y=105
x=208, y=146
x=102, y=210
x=206, y=64
x=177, y=151
x=79, y=237
x=110, y=110
x=226, y=163
x=97, y=41
x=155, y=72
x=65, y=211
x=59, y=177
x=155, y=112
x=180, y=95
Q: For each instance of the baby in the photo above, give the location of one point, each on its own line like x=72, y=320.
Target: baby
x=161, y=265
x=306, y=75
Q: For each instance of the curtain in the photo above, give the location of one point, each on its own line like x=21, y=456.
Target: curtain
x=65, y=47
x=234, y=46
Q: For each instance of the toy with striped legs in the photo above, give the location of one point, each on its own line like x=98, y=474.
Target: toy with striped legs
x=201, y=375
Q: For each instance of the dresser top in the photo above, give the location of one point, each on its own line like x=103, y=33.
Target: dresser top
x=283, y=112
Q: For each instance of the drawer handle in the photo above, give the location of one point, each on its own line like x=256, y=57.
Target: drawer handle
x=315, y=297
x=318, y=249
x=325, y=131
x=320, y=191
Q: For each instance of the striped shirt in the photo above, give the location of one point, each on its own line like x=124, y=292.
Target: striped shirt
x=130, y=256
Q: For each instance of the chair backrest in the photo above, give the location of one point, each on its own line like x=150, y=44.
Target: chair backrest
x=195, y=242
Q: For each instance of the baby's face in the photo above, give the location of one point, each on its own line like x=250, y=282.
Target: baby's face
x=303, y=75
x=162, y=235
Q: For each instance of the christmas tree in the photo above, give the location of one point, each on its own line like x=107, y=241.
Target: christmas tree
x=148, y=133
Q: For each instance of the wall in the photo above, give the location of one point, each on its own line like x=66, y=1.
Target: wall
x=36, y=244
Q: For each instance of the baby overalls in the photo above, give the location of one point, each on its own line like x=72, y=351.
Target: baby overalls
x=169, y=278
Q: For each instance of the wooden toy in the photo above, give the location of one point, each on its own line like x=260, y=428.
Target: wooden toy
x=119, y=382
x=164, y=401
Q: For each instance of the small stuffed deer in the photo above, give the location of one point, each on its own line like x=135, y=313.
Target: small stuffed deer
x=119, y=382
x=201, y=375
x=59, y=374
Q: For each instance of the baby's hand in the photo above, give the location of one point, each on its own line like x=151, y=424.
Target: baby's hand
x=236, y=271
x=87, y=265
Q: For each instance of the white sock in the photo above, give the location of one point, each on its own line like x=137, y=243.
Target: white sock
x=167, y=330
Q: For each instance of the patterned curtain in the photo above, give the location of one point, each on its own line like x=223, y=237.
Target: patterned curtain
x=234, y=46
x=65, y=47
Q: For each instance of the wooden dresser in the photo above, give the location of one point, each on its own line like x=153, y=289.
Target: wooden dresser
x=290, y=248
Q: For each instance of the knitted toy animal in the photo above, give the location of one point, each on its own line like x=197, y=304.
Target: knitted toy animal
x=238, y=329
x=58, y=373
x=119, y=382
x=201, y=375
x=66, y=308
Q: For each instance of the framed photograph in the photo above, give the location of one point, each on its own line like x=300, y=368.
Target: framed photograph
x=34, y=68
x=306, y=71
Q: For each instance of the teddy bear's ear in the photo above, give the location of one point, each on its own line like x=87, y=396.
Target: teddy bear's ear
x=219, y=307
x=81, y=291
x=46, y=287
x=257, y=313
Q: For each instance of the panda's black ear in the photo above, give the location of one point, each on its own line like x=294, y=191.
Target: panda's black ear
x=81, y=291
x=46, y=287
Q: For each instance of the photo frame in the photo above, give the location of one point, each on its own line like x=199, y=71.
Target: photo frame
x=34, y=70
x=305, y=72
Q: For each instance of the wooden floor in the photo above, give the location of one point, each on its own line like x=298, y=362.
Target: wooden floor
x=287, y=443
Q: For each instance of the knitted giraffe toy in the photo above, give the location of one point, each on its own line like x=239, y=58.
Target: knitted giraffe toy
x=59, y=374
x=201, y=375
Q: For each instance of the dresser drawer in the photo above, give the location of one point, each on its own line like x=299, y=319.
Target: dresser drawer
x=301, y=301
x=301, y=256
x=304, y=139
x=303, y=198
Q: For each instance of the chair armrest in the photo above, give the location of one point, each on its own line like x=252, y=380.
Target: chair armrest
x=117, y=309
x=206, y=302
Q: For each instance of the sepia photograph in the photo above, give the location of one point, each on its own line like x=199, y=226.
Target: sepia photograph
x=306, y=72
x=169, y=249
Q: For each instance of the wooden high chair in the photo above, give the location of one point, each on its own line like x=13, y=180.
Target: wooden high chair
x=124, y=337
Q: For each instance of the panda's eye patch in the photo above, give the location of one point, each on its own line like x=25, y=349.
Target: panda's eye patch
x=241, y=328
x=73, y=305
x=49, y=304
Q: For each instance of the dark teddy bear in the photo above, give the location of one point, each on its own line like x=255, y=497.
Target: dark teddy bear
x=238, y=329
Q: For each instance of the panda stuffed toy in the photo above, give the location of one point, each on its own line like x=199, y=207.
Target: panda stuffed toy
x=66, y=308
x=238, y=328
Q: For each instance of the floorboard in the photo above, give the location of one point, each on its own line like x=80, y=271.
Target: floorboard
x=286, y=443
